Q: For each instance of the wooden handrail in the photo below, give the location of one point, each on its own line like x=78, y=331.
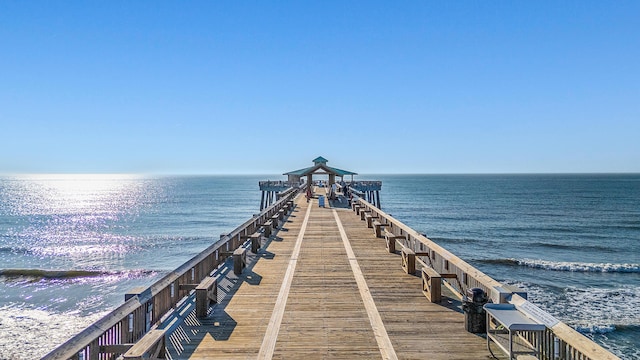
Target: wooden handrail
x=579, y=346
x=86, y=341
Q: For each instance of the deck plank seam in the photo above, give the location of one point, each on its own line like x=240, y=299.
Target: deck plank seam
x=382, y=337
x=271, y=335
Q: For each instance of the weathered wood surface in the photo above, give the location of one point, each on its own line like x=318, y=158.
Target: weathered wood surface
x=206, y=292
x=149, y=347
x=325, y=314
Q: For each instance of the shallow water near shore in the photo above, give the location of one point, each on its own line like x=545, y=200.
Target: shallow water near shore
x=71, y=246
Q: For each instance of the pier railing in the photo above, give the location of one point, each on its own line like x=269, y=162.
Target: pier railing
x=558, y=342
x=366, y=185
x=277, y=185
x=112, y=335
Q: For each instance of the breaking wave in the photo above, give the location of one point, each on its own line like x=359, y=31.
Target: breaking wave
x=566, y=266
x=38, y=274
x=10, y=249
x=605, y=329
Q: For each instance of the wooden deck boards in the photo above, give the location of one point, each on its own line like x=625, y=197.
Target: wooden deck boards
x=418, y=329
x=325, y=316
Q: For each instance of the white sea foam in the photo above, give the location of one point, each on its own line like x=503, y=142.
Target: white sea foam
x=595, y=329
x=32, y=333
x=591, y=311
x=579, y=266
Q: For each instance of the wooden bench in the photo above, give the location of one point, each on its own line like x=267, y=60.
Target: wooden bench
x=274, y=221
x=206, y=292
x=363, y=213
x=432, y=283
x=255, y=242
x=409, y=259
x=150, y=346
x=359, y=208
x=281, y=214
x=369, y=218
x=239, y=260
x=390, y=238
x=377, y=228
x=267, y=228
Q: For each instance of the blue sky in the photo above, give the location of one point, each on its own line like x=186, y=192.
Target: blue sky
x=240, y=87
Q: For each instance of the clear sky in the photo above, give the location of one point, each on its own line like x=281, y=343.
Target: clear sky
x=237, y=87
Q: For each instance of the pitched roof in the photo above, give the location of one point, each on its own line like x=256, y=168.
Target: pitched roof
x=300, y=172
x=320, y=160
x=320, y=166
x=341, y=172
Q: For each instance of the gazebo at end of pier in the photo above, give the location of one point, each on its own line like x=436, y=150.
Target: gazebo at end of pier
x=272, y=190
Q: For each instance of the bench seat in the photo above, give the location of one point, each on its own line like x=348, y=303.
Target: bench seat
x=255, y=242
x=377, y=228
x=391, y=238
x=432, y=284
x=369, y=219
x=150, y=346
x=267, y=228
x=239, y=260
x=206, y=292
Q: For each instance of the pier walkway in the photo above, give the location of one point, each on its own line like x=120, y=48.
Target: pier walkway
x=323, y=287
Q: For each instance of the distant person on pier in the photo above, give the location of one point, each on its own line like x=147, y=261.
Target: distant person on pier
x=309, y=194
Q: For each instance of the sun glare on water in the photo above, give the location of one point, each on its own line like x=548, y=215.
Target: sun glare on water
x=72, y=193
x=72, y=216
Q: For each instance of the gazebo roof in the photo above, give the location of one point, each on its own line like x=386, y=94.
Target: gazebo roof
x=320, y=164
x=320, y=160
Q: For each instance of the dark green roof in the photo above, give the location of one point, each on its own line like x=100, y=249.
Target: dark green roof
x=342, y=172
x=300, y=172
x=320, y=160
x=320, y=163
x=328, y=169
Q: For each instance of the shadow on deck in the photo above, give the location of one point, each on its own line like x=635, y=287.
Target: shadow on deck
x=324, y=315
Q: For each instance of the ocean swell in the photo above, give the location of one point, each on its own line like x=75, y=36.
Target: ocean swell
x=574, y=247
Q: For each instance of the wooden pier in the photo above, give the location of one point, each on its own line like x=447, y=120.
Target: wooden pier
x=302, y=281
x=325, y=287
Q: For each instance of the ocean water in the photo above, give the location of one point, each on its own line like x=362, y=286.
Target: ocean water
x=71, y=246
x=571, y=241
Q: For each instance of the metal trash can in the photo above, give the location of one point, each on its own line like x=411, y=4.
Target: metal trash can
x=474, y=313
